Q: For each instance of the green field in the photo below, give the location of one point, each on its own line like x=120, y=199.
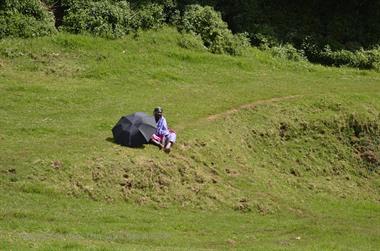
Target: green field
x=271, y=154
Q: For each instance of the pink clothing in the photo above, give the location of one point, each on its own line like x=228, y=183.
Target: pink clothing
x=157, y=138
x=163, y=132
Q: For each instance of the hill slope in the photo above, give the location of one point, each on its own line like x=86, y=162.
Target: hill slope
x=256, y=135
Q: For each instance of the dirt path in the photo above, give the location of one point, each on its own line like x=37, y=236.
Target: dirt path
x=249, y=106
x=237, y=109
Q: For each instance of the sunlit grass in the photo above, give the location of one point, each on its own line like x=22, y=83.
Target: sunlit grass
x=263, y=174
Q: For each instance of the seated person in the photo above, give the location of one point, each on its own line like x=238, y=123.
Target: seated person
x=163, y=137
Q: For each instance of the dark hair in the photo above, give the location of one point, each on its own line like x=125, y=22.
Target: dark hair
x=158, y=109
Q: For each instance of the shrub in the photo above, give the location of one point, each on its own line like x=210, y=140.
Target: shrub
x=326, y=55
x=167, y=9
x=110, y=18
x=264, y=37
x=287, y=51
x=191, y=41
x=102, y=18
x=263, y=41
x=236, y=44
x=150, y=16
x=312, y=49
x=362, y=59
x=208, y=24
x=25, y=18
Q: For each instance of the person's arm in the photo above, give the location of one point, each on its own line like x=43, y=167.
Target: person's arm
x=163, y=128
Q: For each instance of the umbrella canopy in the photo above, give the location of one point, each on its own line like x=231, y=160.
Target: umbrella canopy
x=134, y=129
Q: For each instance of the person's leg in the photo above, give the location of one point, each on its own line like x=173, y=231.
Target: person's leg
x=172, y=136
x=155, y=140
x=168, y=146
x=156, y=143
x=170, y=139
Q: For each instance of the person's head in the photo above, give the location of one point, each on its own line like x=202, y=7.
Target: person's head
x=157, y=112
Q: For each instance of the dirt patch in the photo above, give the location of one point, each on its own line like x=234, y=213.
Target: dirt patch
x=56, y=164
x=365, y=139
x=284, y=127
x=370, y=157
x=242, y=206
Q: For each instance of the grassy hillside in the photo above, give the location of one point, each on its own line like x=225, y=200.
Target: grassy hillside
x=271, y=154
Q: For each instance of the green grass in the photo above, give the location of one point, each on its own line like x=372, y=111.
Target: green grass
x=47, y=223
x=248, y=172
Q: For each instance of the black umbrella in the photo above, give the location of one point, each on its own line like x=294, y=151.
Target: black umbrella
x=134, y=129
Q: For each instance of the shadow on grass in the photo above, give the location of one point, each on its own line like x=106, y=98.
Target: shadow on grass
x=112, y=140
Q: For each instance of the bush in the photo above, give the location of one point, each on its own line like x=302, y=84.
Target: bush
x=191, y=41
x=236, y=44
x=363, y=59
x=150, y=16
x=264, y=37
x=208, y=24
x=326, y=55
x=263, y=41
x=101, y=18
x=287, y=51
x=25, y=18
x=110, y=18
x=168, y=11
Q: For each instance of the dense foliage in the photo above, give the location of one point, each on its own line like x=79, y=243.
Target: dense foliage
x=350, y=28
x=110, y=18
x=208, y=24
x=327, y=32
x=360, y=58
x=343, y=24
x=287, y=51
x=25, y=18
x=103, y=18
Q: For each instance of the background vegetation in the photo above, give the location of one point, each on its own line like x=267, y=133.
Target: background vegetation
x=24, y=18
x=330, y=33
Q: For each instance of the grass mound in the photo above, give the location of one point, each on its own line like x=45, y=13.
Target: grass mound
x=232, y=160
